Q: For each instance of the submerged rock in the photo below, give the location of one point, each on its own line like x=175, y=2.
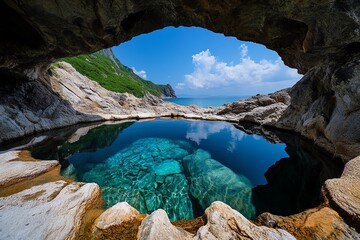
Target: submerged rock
x=223, y=222
x=211, y=181
x=167, y=168
x=53, y=210
x=148, y=175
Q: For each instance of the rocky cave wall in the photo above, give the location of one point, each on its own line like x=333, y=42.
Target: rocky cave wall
x=320, y=38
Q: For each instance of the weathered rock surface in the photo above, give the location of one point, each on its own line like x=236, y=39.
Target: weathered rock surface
x=17, y=166
x=325, y=107
x=261, y=109
x=316, y=223
x=225, y=223
x=157, y=226
x=50, y=211
x=121, y=221
x=344, y=194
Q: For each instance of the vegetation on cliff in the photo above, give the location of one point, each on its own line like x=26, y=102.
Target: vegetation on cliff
x=104, y=68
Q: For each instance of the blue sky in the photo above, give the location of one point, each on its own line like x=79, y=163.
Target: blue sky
x=201, y=63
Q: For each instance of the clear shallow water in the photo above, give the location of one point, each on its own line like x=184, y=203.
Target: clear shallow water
x=182, y=166
x=204, y=102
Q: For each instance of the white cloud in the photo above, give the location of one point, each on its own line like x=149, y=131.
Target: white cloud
x=140, y=73
x=209, y=73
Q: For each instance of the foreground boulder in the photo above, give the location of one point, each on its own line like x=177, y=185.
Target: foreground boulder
x=344, y=194
x=19, y=165
x=50, y=211
x=316, y=223
x=225, y=223
x=121, y=222
x=157, y=226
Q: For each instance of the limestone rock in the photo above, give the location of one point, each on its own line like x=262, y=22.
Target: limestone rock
x=225, y=223
x=344, y=194
x=50, y=211
x=121, y=221
x=260, y=109
x=157, y=226
x=316, y=223
x=17, y=166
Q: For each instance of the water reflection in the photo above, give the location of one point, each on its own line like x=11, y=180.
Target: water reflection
x=182, y=166
x=201, y=130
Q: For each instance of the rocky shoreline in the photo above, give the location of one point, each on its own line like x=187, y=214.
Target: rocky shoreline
x=86, y=101
x=35, y=211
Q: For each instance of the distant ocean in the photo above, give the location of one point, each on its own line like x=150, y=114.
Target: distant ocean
x=205, y=102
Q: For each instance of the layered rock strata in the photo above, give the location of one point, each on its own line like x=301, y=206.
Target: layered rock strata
x=17, y=166
x=54, y=210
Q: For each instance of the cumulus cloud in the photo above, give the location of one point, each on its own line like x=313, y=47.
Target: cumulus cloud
x=210, y=73
x=140, y=73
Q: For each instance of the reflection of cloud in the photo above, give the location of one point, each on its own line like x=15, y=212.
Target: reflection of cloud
x=200, y=130
x=256, y=137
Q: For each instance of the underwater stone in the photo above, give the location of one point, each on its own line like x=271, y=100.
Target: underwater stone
x=144, y=181
x=168, y=167
x=211, y=181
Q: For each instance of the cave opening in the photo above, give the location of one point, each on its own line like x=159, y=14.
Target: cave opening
x=197, y=62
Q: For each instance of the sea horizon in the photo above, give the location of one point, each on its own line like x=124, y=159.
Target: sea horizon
x=211, y=101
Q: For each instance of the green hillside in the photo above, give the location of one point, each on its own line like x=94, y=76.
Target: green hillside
x=104, y=68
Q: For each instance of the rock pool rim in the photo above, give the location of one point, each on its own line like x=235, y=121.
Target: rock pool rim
x=252, y=129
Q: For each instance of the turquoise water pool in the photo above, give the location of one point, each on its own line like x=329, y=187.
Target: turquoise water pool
x=182, y=166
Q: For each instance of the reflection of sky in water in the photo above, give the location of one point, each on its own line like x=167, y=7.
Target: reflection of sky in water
x=201, y=130
x=248, y=155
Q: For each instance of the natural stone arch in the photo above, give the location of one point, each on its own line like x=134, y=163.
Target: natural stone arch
x=302, y=32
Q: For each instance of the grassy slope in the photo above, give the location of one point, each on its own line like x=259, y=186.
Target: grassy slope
x=114, y=77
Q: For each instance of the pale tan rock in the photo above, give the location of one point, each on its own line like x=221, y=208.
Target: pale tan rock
x=223, y=222
x=52, y=211
x=116, y=215
x=121, y=221
x=157, y=226
x=14, y=169
x=344, y=193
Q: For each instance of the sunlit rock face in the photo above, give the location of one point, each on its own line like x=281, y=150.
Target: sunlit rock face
x=319, y=38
